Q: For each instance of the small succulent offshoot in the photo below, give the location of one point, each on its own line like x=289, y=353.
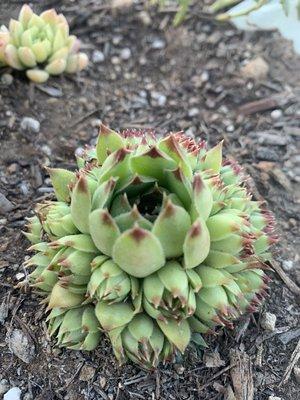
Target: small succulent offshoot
x=153, y=241
x=41, y=45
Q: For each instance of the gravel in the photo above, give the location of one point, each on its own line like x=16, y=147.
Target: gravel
x=125, y=54
x=268, y=321
x=21, y=345
x=30, y=125
x=5, y=204
x=98, y=56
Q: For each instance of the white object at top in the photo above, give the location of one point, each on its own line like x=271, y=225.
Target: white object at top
x=269, y=17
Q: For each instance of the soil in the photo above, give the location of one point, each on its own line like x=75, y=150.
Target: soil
x=169, y=79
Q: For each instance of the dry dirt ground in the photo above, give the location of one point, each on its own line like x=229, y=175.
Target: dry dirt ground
x=143, y=73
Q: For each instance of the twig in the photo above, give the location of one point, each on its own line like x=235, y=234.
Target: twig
x=134, y=380
x=289, y=283
x=26, y=329
x=214, y=377
x=276, y=100
x=68, y=383
x=84, y=117
x=157, y=385
x=241, y=375
x=293, y=361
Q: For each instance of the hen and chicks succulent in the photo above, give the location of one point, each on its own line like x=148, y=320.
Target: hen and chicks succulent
x=153, y=241
x=41, y=45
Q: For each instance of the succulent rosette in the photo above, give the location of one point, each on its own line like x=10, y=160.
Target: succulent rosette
x=41, y=45
x=159, y=236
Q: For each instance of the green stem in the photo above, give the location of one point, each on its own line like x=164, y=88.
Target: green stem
x=226, y=16
x=220, y=4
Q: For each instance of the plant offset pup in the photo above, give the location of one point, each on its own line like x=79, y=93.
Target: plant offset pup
x=154, y=241
x=41, y=45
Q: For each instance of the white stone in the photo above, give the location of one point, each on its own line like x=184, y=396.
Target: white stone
x=158, y=44
x=268, y=321
x=7, y=79
x=193, y=112
x=230, y=128
x=204, y=76
x=145, y=18
x=276, y=114
x=30, y=124
x=274, y=398
x=98, y=56
x=297, y=373
x=160, y=98
x=287, y=265
x=13, y=394
x=125, y=54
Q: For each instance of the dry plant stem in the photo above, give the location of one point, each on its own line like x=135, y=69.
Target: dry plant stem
x=241, y=375
x=216, y=376
x=226, y=16
x=289, y=283
x=277, y=100
x=293, y=361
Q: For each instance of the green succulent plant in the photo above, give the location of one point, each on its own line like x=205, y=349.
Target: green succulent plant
x=158, y=239
x=41, y=45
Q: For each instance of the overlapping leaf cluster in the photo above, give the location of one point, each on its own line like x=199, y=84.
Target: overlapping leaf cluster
x=154, y=241
x=41, y=45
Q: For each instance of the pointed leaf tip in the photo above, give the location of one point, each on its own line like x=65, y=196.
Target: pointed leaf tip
x=138, y=252
x=108, y=142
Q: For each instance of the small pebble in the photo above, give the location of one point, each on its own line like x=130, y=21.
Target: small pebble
x=179, y=369
x=7, y=79
x=102, y=381
x=117, y=39
x=4, y=386
x=297, y=373
x=30, y=124
x=115, y=60
x=230, y=128
x=13, y=394
x=276, y=114
x=145, y=18
x=5, y=204
x=213, y=360
x=46, y=150
x=193, y=112
x=268, y=321
x=20, y=276
x=256, y=68
x=287, y=265
x=274, y=398
x=204, y=76
x=158, y=44
x=87, y=373
x=21, y=345
x=120, y=4
x=98, y=56
x=160, y=98
x=272, y=139
x=24, y=188
x=125, y=54
x=263, y=153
